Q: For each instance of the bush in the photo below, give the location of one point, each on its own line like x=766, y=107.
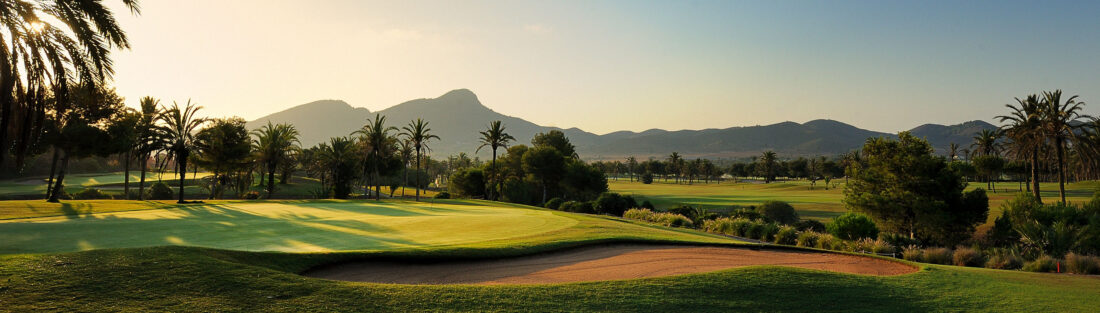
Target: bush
x=912, y=253
x=577, y=207
x=786, y=235
x=1082, y=264
x=610, y=203
x=443, y=195
x=468, y=182
x=160, y=191
x=1042, y=264
x=647, y=178
x=685, y=210
x=1004, y=259
x=898, y=240
x=852, y=226
x=252, y=195
x=778, y=211
x=630, y=202
x=646, y=205
x=965, y=256
x=937, y=256
x=554, y=203
x=810, y=225
x=90, y=194
x=829, y=242
x=869, y=245
x=807, y=239
x=748, y=213
x=663, y=218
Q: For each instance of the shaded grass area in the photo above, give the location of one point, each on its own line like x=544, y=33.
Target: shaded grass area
x=816, y=203
x=196, y=279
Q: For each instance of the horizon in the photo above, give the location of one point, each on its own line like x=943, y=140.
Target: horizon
x=673, y=66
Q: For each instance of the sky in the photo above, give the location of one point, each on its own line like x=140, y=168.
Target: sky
x=605, y=66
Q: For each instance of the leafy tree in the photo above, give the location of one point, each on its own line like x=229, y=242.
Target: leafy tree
x=778, y=211
x=339, y=159
x=468, y=182
x=149, y=137
x=418, y=133
x=989, y=166
x=546, y=164
x=612, y=204
x=83, y=133
x=905, y=189
x=179, y=128
x=852, y=226
x=275, y=145
x=124, y=140
x=557, y=140
x=224, y=148
x=494, y=138
x=581, y=181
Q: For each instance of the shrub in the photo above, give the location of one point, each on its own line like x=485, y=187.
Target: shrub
x=1004, y=259
x=898, y=240
x=252, y=195
x=646, y=205
x=443, y=195
x=160, y=191
x=767, y=231
x=577, y=207
x=810, y=225
x=630, y=202
x=586, y=207
x=869, y=245
x=647, y=178
x=468, y=182
x=610, y=203
x=966, y=256
x=912, y=253
x=786, y=235
x=748, y=213
x=90, y=194
x=807, y=239
x=663, y=218
x=554, y=203
x=1042, y=264
x=852, y=226
x=937, y=256
x=1082, y=264
x=778, y=211
x=829, y=242
x=685, y=210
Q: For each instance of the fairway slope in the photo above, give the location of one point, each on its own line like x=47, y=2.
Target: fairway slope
x=597, y=263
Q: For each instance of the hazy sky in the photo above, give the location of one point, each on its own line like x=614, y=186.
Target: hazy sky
x=613, y=65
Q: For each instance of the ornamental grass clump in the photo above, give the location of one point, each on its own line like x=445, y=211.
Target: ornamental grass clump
x=966, y=256
x=937, y=256
x=1082, y=264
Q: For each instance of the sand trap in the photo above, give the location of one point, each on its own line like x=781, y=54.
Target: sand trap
x=601, y=263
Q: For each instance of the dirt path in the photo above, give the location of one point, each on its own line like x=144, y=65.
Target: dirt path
x=602, y=263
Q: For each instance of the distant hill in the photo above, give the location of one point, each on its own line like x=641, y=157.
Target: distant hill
x=458, y=116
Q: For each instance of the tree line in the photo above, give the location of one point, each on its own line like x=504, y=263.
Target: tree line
x=768, y=167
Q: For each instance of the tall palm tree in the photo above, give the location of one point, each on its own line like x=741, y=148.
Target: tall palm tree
x=406, y=151
x=1025, y=128
x=375, y=136
x=179, y=129
x=953, y=151
x=149, y=138
x=45, y=44
x=494, y=138
x=769, y=161
x=275, y=144
x=674, y=161
x=985, y=142
x=418, y=133
x=1058, y=120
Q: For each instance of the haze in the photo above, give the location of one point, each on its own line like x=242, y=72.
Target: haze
x=619, y=65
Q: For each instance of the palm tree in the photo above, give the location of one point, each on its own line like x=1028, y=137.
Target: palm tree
x=375, y=136
x=953, y=151
x=985, y=142
x=494, y=138
x=51, y=42
x=179, y=129
x=674, y=161
x=768, y=160
x=418, y=133
x=1058, y=124
x=149, y=137
x=406, y=151
x=275, y=144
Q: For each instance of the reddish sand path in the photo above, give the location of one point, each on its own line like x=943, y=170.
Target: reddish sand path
x=602, y=263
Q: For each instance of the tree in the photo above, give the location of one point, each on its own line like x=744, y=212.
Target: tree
x=953, y=152
x=419, y=134
x=989, y=166
x=1025, y=128
x=494, y=138
x=179, y=129
x=675, y=162
x=557, y=140
x=275, y=145
x=1058, y=124
x=631, y=164
x=149, y=137
x=375, y=136
x=224, y=148
x=339, y=159
x=124, y=140
x=768, y=163
x=905, y=189
x=985, y=143
x=546, y=164
x=82, y=131
x=852, y=226
x=51, y=42
x=778, y=211
x=406, y=151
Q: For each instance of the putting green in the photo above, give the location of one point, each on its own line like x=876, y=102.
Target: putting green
x=288, y=226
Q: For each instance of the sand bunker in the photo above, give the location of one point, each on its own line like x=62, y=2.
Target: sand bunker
x=601, y=263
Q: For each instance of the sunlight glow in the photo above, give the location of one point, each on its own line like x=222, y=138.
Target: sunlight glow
x=36, y=26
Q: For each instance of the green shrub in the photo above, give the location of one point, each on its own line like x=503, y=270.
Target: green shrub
x=786, y=235
x=778, y=211
x=912, y=253
x=90, y=194
x=829, y=242
x=966, y=256
x=160, y=191
x=741, y=227
x=252, y=195
x=646, y=205
x=768, y=231
x=748, y=213
x=937, y=256
x=807, y=239
x=468, y=183
x=662, y=218
x=1043, y=264
x=647, y=178
x=554, y=203
x=852, y=226
x=810, y=225
x=443, y=195
x=868, y=245
x=1082, y=264
x=899, y=240
x=610, y=203
x=1004, y=259
x=577, y=207
x=685, y=210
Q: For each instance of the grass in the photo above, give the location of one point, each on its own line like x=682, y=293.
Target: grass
x=818, y=203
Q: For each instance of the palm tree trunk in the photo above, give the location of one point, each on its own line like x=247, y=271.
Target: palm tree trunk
x=141, y=183
x=417, y=187
x=126, y=176
x=1061, y=170
x=7, y=103
x=493, y=175
x=53, y=169
x=1035, y=175
x=181, y=158
x=405, y=181
x=59, y=184
x=271, y=179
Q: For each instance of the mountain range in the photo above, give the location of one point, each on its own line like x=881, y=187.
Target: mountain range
x=458, y=117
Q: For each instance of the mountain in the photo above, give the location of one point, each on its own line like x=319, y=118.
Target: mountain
x=458, y=116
